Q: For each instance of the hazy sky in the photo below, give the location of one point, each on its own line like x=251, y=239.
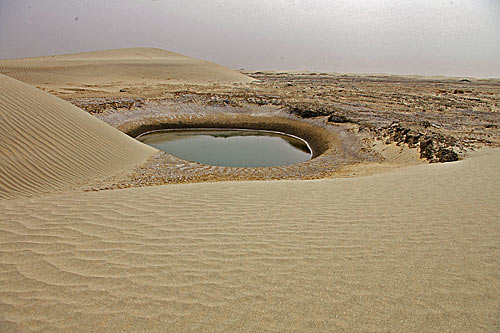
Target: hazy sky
x=458, y=37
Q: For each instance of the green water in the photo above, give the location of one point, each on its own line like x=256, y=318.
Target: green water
x=233, y=148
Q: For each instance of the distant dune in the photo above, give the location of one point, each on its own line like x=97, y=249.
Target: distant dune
x=47, y=144
x=112, y=70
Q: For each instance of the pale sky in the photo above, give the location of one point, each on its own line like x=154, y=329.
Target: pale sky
x=427, y=37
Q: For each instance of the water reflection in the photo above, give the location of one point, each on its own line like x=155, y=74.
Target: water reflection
x=234, y=148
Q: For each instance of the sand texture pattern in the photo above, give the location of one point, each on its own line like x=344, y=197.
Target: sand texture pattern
x=112, y=70
x=47, y=144
x=414, y=249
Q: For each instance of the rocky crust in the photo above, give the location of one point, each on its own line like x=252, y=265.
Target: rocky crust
x=441, y=119
x=432, y=147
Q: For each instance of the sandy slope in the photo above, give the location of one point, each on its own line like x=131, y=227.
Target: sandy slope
x=47, y=144
x=413, y=249
x=112, y=70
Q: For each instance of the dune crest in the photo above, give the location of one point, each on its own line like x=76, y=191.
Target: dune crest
x=47, y=144
x=112, y=70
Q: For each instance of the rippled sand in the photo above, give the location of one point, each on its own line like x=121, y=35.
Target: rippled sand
x=47, y=144
x=414, y=249
x=112, y=70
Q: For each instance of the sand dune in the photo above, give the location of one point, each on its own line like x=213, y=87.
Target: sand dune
x=47, y=144
x=112, y=70
x=415, y=249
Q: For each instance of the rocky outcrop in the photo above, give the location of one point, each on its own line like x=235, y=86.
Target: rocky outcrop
x=432, y=146
x=100, y=105
x=308, y=110
x=339, y=119
x=313, y=111
x=446, y=155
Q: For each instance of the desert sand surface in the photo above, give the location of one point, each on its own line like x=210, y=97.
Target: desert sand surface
x=112, y=70
x=415, y=249
x=47, y=144
x=387, y=242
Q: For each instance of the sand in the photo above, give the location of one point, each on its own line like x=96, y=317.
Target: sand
x=411, y=249
x=414, y=249
x=112, y=70
x=47, y=144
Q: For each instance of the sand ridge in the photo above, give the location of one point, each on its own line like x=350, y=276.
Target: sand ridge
x=113, y=70
x=47, y=144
